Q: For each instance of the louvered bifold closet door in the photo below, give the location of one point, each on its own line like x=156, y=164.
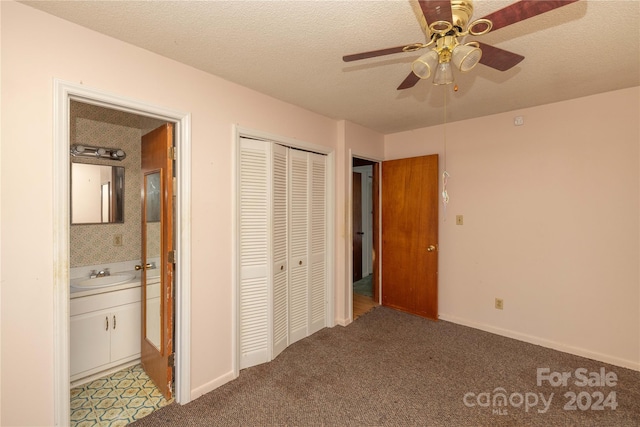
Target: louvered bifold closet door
x=280, y=250
x=254, y=256
x=318, y=244
x=298, y=244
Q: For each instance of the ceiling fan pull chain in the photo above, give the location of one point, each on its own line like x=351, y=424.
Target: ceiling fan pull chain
x=445, y=174
x=445, y=195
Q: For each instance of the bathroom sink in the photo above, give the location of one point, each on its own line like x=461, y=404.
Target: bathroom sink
x=100, y=282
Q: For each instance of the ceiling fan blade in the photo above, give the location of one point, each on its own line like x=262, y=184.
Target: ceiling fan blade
x=373, y=53
x=409, y=82
x=497, y=58
x=436, y=10
x=522, y=10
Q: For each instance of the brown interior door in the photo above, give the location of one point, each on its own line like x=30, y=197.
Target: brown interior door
x=410, y=235
x=157, y=257
x=357, y=225
x=376, y=231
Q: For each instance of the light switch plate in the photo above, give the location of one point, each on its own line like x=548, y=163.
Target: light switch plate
x=459, y=220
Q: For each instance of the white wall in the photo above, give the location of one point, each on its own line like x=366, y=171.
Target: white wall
x=36, y=48
x=551, y=223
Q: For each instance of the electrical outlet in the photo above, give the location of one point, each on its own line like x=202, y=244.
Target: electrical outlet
x=117, y=240
x=459, y=220
x=499, y=303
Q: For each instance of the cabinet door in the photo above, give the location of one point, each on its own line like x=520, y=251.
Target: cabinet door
x=280, y=251
x=125, y=332
x=299, y=244
x=318, y=244
x=253, y=253
x=89, y=341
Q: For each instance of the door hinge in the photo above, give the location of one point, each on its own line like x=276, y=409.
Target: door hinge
x=171, y=256
x=172, y=359
x=175, y=185
x=173, y=154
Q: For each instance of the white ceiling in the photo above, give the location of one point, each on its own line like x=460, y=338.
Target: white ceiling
x=292, y=50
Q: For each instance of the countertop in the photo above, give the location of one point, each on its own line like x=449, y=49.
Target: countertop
x=133, y=283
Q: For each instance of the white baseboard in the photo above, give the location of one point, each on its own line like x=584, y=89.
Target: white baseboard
x=212, y=385
x=343, y=322
x=82, y=379
x=606, y=358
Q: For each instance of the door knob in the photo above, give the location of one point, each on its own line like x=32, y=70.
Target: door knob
x=431, y=248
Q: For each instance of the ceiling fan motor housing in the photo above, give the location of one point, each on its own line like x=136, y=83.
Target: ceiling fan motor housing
x=461, y=11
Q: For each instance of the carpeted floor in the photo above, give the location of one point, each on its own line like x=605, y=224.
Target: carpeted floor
x=389, y=368
x=364, y=286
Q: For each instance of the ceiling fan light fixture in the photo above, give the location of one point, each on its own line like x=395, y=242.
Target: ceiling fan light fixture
x=466, y=56
x=423, y=66
x=444, y=74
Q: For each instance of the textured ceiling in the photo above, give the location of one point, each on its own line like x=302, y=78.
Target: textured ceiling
x=292, y=50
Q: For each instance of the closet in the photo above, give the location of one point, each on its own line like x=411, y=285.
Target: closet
x=282, y=217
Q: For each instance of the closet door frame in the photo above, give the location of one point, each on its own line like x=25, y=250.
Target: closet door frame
x=239, y=132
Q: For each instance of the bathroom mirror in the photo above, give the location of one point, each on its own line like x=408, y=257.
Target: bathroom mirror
x=152, y=242
x=97, y=194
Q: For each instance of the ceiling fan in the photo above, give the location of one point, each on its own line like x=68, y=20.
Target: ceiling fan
x=447, y=21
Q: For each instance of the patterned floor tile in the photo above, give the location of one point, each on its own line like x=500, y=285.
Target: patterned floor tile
x=142, y=412
x=116, y=400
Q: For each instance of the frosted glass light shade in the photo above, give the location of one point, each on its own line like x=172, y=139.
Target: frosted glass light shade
x=465, y=57
x=422, y=66
x=444, y=74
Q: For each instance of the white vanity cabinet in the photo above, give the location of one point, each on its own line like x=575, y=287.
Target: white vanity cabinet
x=105, y=331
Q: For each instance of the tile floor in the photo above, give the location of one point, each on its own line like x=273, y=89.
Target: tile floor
x=115, y=400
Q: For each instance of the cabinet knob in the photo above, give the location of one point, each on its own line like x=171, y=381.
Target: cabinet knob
x=106, y=319
x=114, y=322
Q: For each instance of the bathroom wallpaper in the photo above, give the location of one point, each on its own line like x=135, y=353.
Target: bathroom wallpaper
x=93, y=244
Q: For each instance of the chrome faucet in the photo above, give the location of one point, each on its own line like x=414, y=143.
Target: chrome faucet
x=101, y=273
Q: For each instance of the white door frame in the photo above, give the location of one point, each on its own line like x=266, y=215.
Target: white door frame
x=63, y=93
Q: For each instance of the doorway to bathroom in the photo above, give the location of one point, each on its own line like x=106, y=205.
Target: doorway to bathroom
x=115, y=372
x=121, y=333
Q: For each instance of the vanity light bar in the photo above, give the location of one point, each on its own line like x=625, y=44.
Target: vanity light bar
x=78, y=150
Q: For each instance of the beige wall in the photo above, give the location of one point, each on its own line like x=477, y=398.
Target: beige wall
x=36, y=48
x=551, y=223
x=364, y=143
x=558, y=242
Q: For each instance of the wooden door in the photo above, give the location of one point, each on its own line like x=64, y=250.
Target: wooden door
x=410, y=235
x=158, y=257
x=357, y=226
x=376, y=232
